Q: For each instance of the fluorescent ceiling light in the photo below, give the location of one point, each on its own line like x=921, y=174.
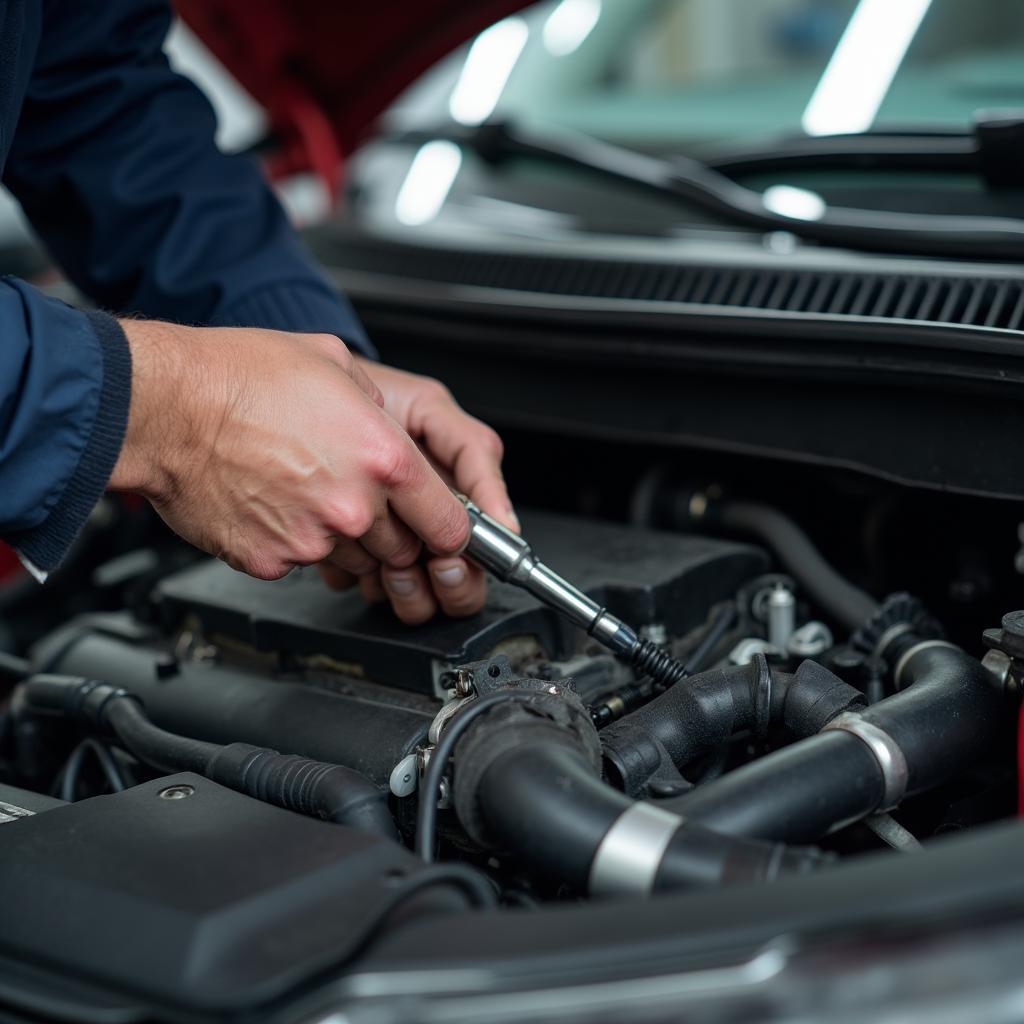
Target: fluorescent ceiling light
x=430, y=179
x=489, y=62
x=798, y=203
x=569, y=24
x=862, y=68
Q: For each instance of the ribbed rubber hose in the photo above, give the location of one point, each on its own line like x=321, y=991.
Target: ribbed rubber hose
x=300, y=784
x=694, y=719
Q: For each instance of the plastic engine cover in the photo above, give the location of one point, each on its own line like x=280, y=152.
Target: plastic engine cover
x=193, y=894
x=643, y=576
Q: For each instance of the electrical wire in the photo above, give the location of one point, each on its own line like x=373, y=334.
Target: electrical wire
x=73, y=768
x=724, y=616
x=430, y=787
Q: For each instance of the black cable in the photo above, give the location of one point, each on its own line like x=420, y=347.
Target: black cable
x=477, y=888
x=430, y=787
x=72, y=770
x=723, y=618
x=474, y=886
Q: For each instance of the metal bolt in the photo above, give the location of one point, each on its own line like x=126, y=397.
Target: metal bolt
x=463, y=682
x=781, y=616
x=1000, y=665
x=444, y=794
x=176, y=792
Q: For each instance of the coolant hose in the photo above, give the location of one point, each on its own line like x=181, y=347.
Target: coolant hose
x=950, y=712
x=538, y=796
x=299, y=784
x=845, y=602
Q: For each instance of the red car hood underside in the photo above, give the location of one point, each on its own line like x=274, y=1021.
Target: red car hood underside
x=326, y=69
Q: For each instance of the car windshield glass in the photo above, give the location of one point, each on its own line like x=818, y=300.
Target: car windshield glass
x=665, y=74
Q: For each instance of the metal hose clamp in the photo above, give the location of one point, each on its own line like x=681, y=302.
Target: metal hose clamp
x=891, y=762
x=924, y=645
x=631, y=852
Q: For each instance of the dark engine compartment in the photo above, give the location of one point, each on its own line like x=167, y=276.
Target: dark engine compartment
x=818, y=728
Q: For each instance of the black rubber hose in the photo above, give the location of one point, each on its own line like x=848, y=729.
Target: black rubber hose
x=544, y=803
x=807, y=789
x=156, y=747
x=430, y=788
x=951, y=713
x=296, y=783
x=843, y=601
x=689, y=721
x=224, y=704
x=313, y=788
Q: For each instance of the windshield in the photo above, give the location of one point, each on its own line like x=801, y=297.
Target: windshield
x=661, y=74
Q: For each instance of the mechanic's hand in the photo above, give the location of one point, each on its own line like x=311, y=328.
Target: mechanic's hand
x=468, y=454
x=271, y=450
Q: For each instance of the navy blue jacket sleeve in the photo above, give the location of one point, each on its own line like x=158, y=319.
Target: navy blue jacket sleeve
x=115, y=164
x=65, y=383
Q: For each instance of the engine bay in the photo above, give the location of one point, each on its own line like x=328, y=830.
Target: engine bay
x=507, y=761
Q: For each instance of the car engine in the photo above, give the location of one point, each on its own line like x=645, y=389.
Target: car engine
x=505, y=760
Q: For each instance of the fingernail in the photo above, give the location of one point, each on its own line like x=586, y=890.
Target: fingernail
x=403, y=586
x=513, y=519
x=450, y=577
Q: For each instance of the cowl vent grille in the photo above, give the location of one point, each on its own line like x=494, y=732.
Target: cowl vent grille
x=970, y=301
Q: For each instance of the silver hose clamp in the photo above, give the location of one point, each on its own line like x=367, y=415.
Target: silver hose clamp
x=631, y=852
x=448, y=711
x=897, y=674
x=891, y=762
x=889, y=635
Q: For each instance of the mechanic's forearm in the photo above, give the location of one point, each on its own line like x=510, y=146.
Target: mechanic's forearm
x=162, y=423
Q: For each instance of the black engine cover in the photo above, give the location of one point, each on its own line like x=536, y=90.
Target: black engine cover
x=208, y=901
x=642, y=576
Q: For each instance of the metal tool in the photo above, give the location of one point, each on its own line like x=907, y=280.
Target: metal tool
x=509, y=557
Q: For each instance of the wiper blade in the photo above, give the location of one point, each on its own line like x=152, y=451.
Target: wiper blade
x=707, y=188
x=946, y=151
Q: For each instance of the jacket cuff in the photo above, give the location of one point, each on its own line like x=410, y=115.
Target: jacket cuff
x=44, y=546
x=299, y=307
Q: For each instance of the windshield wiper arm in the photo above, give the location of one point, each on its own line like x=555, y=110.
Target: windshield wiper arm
x=993, y=150
x=700, y=185
x=864, y=151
